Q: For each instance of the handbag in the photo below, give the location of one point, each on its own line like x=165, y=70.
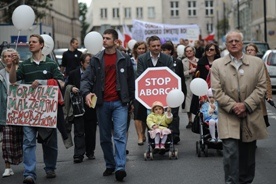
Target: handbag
x=77, y=104
x=196, y=124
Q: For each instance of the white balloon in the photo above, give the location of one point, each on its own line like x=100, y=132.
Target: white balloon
x=199, y=86
x=131, y=44
x=93, y=42
x=180, y=50
x=48, y=44
x=175, y=98
x=23, y=17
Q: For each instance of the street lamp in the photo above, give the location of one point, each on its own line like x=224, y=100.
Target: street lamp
x=265, y=31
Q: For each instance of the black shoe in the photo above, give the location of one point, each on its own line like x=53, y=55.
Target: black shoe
x=189, y=125
x=108, y=171
x=91, y=157
x=50, y=174
x=176, y=139
x=28, y=180
x=120, y=174
x=78, y=160
x=127, y=152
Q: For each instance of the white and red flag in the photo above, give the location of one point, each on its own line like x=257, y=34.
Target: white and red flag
x=127, y=35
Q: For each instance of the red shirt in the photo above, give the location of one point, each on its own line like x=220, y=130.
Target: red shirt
x=110, y=93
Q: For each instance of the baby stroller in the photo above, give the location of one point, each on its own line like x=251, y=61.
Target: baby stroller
x=202, y=128
x=169, y=147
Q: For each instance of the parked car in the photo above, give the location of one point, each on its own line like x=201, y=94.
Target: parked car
x=269, y=59
x=262, y=47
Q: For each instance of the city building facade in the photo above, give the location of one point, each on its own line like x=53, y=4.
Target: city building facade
x=61, y=20
x=116, y=13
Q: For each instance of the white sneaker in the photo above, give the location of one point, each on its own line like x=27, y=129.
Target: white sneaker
x=213, y=140
x=219, y=140
x=8, y=172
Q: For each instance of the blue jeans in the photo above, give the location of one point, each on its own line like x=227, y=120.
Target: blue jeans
x=50, y=152
x=113, y=116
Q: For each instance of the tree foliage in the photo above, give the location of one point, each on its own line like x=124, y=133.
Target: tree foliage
x=82, y=16
x=223, y=26
x=9, y=6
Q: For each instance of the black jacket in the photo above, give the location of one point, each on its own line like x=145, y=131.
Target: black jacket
x=144, y=62
x=93, y=79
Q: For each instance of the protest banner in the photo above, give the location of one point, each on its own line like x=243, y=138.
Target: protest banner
x=37, y=107
x=142, y=30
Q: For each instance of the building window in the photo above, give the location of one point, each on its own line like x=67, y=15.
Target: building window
x=103, y=13
x=139, y=12
x=174, y=8
x=209, y=8
x=127, y=13
x=192, y=8
x=151, y=12
x=116, y=13
x=209, y=27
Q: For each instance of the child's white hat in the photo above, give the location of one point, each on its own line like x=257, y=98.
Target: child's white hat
x=209, y=92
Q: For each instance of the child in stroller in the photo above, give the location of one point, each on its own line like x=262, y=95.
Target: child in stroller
x=158, y=122
x=209, y=110
x=205, y=125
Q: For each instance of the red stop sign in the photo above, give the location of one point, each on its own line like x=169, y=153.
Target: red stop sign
x=154, y=84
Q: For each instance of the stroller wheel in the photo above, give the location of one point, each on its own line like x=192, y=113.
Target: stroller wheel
x=170, y=155
x=206, y=150
x=197, y=147
x=145, y=156
x=176, y=154
x=151, y=155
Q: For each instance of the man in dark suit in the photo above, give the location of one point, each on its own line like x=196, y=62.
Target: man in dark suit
x=154, y=57
x=168, y=48
x=84, y=126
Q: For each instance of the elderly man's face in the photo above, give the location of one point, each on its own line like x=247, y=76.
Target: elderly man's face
x=234, y=43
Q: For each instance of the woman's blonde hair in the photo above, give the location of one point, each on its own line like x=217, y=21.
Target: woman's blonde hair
x=9, y=50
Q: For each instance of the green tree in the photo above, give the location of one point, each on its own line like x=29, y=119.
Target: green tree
x=222, y=27
x=82, y=16
x=8, y=7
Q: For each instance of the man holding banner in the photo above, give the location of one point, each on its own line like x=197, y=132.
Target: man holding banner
x=32, y=71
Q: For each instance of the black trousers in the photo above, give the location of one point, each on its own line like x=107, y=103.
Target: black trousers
x=79, y=138
x=239, y=161
x=174, y=126
x=90, y=129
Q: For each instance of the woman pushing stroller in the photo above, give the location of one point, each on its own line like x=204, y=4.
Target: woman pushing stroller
x=158, y=121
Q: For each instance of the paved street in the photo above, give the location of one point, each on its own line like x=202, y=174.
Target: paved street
x=188, y=169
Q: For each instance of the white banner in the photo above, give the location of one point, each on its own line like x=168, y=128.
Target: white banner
x=32, y=107
x=142, y=30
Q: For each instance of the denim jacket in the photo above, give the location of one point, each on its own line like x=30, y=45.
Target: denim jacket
x=3, y=96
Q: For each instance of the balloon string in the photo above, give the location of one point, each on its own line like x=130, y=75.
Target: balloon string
x=17, y=40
